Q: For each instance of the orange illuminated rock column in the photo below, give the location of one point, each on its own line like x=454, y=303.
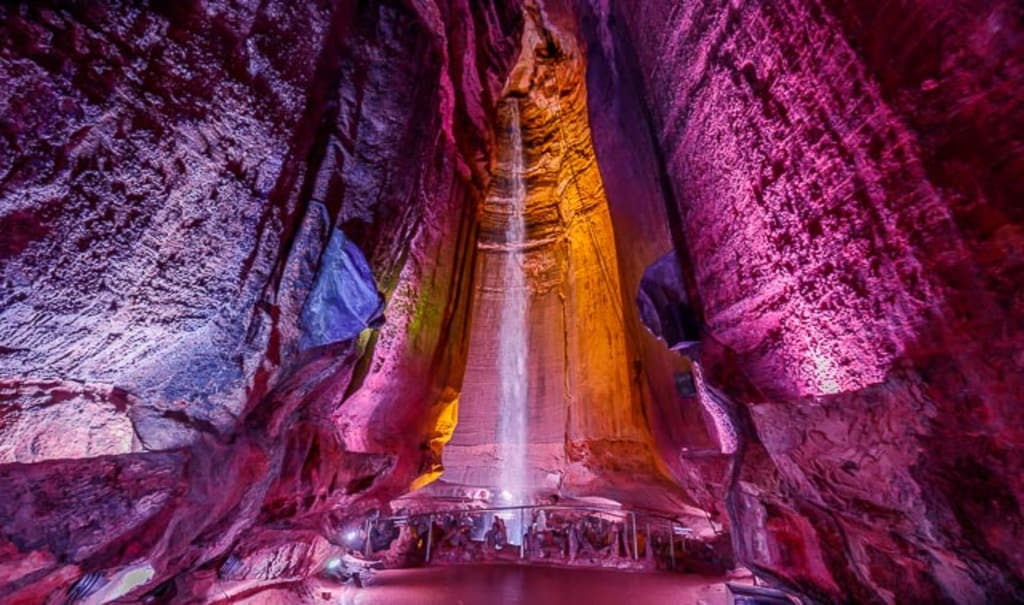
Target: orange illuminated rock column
x=585, y=413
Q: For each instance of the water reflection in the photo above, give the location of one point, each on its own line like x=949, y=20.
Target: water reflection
x=506, y=584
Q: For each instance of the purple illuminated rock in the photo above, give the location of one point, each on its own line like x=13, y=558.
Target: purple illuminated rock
x=662, y=302
x=161, y=177
x=344, y=300
x=180, y=378
x=839, y=175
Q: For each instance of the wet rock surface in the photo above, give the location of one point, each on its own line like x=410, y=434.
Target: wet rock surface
x=840, y=181
x=585, y=411
x=164, y=174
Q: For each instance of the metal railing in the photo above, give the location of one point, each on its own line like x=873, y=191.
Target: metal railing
x=653, y=520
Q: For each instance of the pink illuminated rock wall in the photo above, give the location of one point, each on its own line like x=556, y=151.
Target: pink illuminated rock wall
x=636, y=186
x=169, y=183
x=847, y=177
x=840, y=179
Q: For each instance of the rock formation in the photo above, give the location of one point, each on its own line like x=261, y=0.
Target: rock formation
x=248, y=262
x=844, y=180
x=173, y=183
x=585, y=416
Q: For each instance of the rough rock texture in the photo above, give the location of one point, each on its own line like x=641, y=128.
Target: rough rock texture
x=840, y=181
x=586, y=425
x=647, y=227
x=164, y=176
x=847, y=179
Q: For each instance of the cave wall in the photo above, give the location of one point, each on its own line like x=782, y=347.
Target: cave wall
x=137, y=216
x=646, y=227
x=847, y=178
x=840, y=179
x=588, y=432
x=170, y=181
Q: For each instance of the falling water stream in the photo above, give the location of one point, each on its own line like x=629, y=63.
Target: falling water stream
x=513, y=428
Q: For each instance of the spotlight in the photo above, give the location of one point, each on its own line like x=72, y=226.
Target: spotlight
x=333, y=564
x=350, y=536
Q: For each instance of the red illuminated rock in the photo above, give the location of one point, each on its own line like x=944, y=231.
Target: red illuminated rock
x=839, y=179
x=162, y=176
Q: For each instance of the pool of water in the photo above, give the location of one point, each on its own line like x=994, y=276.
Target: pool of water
x=512, y=585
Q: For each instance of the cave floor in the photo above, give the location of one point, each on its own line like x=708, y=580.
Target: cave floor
x=512, y=584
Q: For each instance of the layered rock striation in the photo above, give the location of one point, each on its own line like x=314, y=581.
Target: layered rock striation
x=175, y=183
x=839, y=184
x=249, y=257
x=588, y=434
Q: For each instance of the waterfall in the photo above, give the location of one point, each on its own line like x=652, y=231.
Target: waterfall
x=513, y=337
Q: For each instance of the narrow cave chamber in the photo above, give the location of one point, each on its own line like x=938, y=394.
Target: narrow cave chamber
x=487, y=301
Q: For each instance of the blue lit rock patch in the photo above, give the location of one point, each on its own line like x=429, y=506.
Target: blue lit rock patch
x=344, y=300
